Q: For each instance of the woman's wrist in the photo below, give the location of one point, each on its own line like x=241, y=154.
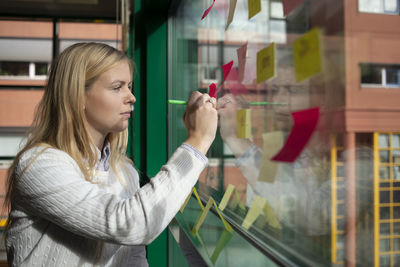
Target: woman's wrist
x=237, y=145
x=200, y=144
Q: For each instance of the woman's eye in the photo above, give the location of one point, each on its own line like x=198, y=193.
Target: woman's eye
x=117, y=88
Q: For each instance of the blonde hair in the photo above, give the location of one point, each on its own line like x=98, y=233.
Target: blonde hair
x=60, y=120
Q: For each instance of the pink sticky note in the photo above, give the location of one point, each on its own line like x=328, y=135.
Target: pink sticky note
x=207, y=10
x=227, y=68
x=233, y=84
x=305, y=122
x=212, y=90
x=241, y=54
x=290, y=5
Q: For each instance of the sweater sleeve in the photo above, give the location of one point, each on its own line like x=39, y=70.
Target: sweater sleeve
x=53, y=188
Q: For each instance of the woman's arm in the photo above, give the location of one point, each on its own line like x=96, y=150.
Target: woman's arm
x=53, y=188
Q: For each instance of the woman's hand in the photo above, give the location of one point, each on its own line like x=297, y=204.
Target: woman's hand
x=227, y=111
x=201, y=120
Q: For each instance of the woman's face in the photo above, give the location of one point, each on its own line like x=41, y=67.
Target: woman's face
x=108, y=101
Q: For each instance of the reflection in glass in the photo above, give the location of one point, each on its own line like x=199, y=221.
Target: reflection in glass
x=383, y=140
x=385, y=229
x=383, y=185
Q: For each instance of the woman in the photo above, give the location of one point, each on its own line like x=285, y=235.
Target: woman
x=74, y=196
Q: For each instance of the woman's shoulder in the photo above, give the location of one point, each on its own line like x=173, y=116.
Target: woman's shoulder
x=43, y=152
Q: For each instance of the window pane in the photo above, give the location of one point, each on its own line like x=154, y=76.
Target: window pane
x=393, y=76
x=396, y=172
x=396, y=212
x=40, y=69
x=390, y=6
x=8, y=68
x=371, y=74
x=384, y=196
x=384, y=213
x=383, y=140
x=384, y=172
x=395, y=140
x=384, y=244
x=396, y=196
x=384, y=156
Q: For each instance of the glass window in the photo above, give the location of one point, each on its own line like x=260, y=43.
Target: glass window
x=380, y=75
x=305, y=200
x=379, y=6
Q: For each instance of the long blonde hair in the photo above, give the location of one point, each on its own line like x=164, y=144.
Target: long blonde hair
x=60, y=120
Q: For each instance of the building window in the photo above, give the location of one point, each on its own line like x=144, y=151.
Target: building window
x=379, y=6
x=380, y=75
x=16, y=69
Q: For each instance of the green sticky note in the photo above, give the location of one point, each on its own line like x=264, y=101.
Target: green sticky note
x=266, y=63
x=307, y=55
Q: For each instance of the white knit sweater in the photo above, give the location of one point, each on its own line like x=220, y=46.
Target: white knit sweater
x=60, y=219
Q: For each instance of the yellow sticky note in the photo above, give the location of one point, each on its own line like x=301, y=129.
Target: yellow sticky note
x=224, y=201
x=266, y=63
x=307, y=55
x=231, y=189
x=272, y=143
x=232, y=7
x=255, y=210
x=202, y=216
x=204, y=213
x=244, y=123
x=188, y=197
x=254, y=7
x=222, y=241
x=270, y=216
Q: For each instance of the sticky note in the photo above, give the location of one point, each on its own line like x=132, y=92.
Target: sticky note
x=255, y=210
x=212, y=90
x=194, y=191
x=305, y=122
x=204, y=213
x=232, y=7
x=290, y=5
x=266, y=63
x=227, y=195
x=241, y=55
x=270, y=216
x=231, y=190
x=234, y=85
x=272, y=143
x=244, y=123
x=222, y=242
x=202, y=217
x=207, y=10
x=254, y=7
x=227, y=69
x=307, y=55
